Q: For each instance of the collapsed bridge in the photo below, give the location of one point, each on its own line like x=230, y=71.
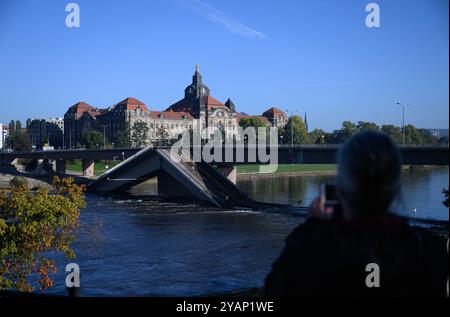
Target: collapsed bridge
x=181, y=179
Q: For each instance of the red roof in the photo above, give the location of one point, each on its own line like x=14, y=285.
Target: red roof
x=273, y=111
x=180, y=105
x=131, y=103
x=81, y=107
x=171, y=115
x=212, y=102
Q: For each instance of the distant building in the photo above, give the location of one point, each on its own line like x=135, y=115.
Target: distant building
x=82, y=117
x=46, y=132
x=276, y=117
x=197, y=104
x=1, y=136
x=4, y=135
x=439, y=133
x=202, y=106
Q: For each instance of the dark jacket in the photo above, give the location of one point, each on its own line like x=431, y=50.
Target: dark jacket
x=330, y=258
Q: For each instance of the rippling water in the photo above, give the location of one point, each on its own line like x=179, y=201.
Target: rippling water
x=135, y=246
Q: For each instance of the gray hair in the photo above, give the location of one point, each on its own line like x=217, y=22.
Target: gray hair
x=369, y=170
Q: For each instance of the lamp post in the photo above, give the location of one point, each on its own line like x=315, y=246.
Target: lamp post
x=323, y=139
x=403, y=121
x=104, y=136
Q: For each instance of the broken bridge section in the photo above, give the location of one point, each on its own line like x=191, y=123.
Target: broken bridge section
x=175, y=179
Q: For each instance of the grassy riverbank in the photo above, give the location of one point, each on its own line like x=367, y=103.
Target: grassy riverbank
x=99, y=167
x=290, y=168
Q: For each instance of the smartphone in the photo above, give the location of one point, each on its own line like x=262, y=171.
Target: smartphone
x=332, y=206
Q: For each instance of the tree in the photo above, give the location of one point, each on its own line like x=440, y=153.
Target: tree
x=123, y=139
x=92, y=140
x=412, y=135
x=364, y=126
x=162, y=136
x=254, y=122
x=395, y=133
x=33, y=225
x=18, y=139
x=315, y=136
x=346, y=132
x=428, y=137
x=139, y=134
x=295, y=128
x=21, y=142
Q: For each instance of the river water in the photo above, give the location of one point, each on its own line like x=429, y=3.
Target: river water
x=134, y=246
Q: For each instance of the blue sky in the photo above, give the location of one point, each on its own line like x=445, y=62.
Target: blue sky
x=307, y=56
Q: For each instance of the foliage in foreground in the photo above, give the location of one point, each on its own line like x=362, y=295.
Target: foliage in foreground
x=34, y=225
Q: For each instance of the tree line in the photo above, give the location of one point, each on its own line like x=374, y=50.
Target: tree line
x=295, y=131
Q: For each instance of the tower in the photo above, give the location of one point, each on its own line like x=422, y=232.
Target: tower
x=194, y=93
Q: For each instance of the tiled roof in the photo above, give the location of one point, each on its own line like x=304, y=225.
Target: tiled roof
x=210, y=101
x=81, y=107
x=131, y=103
x=180, y=106
x=273, y=111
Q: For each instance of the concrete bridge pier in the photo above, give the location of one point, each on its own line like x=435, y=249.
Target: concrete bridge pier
x=169, y=187
x=60, y=166
x=87, y=167
x=229, y=172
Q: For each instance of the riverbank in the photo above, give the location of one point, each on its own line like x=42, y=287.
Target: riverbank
x=32, y=182
x=253, y=171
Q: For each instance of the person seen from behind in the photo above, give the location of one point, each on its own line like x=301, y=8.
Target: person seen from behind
x=350, y=226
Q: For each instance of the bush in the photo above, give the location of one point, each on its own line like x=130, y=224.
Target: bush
x=34, y=225
x=18, y=182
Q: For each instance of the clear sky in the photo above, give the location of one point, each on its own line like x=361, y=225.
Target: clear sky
x=312, y=56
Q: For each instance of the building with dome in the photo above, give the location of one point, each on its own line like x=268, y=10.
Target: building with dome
x=209, y=111
x=196, y=107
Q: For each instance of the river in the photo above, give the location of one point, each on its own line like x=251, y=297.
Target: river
x=133, y=246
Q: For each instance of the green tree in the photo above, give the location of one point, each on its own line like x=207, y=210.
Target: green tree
x=34, y=225
x=412, y=135
x=347, y=131
x=364, y=126
x=295, y=128
x=315, y=136
x=162, y=137
x=123, y=139
x=93, y=140
x=254, y=122
x=22, y=142
x=428, y=137
x=395, y=133
x=139, y=134
x=18, y=139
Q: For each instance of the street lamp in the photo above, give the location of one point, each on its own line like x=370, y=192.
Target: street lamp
x=104, y=136
x=323, y=139
x=403, y=120
x=123, y=156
